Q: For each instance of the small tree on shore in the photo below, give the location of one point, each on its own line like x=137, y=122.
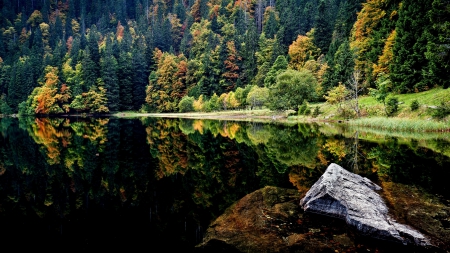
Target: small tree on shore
x=354, y=91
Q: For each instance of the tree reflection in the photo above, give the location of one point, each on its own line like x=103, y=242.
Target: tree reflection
x=178, y=175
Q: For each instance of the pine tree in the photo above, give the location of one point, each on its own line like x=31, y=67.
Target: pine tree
x=125, y=78
x=109, y=69
x=438, y=53
x=277, y=68
x=88, y=71
x=271, y=25
x=322, y=29
x=140, y=78
x=410, y=47
x=248, y=53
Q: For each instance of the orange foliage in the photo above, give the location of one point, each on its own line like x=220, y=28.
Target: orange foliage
x=369, y=17
x=195, y=11
x=23, y=36
x=46, y=134
x=231, y=65
x=198, y=126
x=382, y=67
x=179, y=87
x=69, y=44
x=119, y=31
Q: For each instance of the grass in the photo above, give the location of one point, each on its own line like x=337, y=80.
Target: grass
x=373, y=114
x=401, y=124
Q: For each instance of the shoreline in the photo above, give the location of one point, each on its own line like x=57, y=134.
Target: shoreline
x=396, y=124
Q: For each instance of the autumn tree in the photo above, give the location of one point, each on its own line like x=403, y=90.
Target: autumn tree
x=302, y=50
x=50, y=97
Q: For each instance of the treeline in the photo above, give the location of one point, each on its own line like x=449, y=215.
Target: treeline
x=106, y=56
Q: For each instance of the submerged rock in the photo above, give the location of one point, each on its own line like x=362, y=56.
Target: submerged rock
x=342, y=194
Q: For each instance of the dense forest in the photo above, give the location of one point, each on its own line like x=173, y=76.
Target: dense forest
x=79, y=56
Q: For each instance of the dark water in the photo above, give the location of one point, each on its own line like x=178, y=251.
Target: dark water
x=83, y=183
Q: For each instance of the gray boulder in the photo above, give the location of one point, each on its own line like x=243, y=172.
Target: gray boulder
x=345, y=195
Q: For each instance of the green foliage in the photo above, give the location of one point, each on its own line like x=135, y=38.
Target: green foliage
x=442, y=111
x=93, y=101
x=186, y=104
x=413, y=29
x=218, y=47
x=384, y=87
x=213, y=104
x=391, y=106
x=414, y=105
x=302, y=108
x=316, y=112
x=257, y=96
x=277, y=68
x=337, y=95
x=307, y=111
x=291, y=89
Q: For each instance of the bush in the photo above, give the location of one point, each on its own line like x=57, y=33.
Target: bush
x=316, y=112
x=442, y=110
x=302, y=108
x=186, y=104
x=307, y=111
x=391, y=106
x=414, y=105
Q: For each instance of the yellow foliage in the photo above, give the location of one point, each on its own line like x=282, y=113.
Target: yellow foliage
x=75, y=27
x=35, y=18
x=301, y=51
x=382, y=67
x=198, y=104
x=368, y=19
x=45, y=30
x=336, y=147
x=198, y=126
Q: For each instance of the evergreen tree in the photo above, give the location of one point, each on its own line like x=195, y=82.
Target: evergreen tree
x=271, y=26
x=248, y=53
x=322, y=28
x=277, y=68
x=109, y=69
x=410, y=47
x=140, y=78
x=438, y=52
x=88, y=69
x=125, y=78
x=342, y=68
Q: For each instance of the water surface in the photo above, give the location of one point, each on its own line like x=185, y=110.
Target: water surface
x=107, y=183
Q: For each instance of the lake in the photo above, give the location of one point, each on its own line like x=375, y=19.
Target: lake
x=108, y=183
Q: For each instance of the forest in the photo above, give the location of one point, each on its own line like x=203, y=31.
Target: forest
x=79, y=56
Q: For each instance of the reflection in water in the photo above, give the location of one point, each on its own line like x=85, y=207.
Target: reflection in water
x=163, y=180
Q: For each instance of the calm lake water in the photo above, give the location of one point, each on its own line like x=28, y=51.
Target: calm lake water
x=84, y=183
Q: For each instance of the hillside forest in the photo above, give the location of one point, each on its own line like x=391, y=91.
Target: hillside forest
x=80, y=56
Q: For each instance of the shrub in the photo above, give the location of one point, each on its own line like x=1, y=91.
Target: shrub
x=316, y=112
x=414, y=105
x=442, y=110
x=307, y=111
x=391, y=106
x=302, y=108
x=186, y=104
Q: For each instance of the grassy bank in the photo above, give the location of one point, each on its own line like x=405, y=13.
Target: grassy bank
x=372, y=114
x=402, y=124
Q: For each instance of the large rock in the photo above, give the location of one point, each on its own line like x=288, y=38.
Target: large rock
x=342, y=194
